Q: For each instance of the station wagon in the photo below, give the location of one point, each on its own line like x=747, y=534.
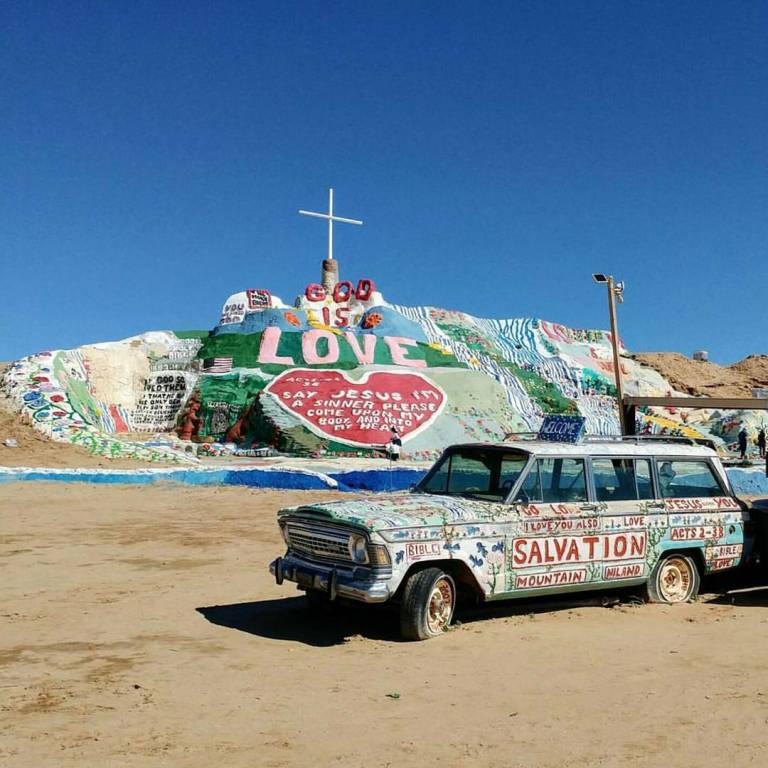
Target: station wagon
x=522, y=519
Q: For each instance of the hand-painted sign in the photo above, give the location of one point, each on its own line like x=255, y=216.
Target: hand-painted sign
x=164, y=393
x=561, y=429
x=258, y=298
x=238, y=304
x=359, y=411
x=335, y=308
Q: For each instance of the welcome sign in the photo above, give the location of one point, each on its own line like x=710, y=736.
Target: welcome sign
x=561, y=429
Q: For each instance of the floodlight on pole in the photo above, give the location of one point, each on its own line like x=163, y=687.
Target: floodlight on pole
x=615, y=294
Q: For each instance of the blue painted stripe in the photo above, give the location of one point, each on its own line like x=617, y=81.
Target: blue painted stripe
x=745, y=481
x=257, y=478
x=378, y=479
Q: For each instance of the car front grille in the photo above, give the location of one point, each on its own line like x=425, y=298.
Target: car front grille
x=319, y=543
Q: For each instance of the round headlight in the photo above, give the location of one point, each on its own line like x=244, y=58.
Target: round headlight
x=358, y=549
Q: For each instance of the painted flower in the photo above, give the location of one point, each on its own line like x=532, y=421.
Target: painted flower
x=292, y=319
x=57, y=398
x=372, y=319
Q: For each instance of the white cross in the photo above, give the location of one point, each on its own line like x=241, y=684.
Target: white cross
x=331, y=218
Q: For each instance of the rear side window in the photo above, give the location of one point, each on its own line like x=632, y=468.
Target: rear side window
x=554, y=481
x=687, y=479
x=622, y=479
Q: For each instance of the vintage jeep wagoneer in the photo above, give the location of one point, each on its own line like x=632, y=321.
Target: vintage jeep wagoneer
x=522, y=519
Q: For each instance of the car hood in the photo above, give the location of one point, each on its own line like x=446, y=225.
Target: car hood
x=405, y=510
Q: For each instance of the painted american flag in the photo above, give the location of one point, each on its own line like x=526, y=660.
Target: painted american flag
x=217, y=365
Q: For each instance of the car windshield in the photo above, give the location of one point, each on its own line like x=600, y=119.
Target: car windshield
x=475, y=473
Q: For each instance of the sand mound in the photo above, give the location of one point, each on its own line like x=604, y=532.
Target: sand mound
x=754, y=368
x=708, y=379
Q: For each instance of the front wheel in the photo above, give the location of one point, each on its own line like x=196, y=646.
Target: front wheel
x=675, y=579
x=429, y=599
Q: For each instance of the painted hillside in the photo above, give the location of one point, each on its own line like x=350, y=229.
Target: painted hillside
x=331, y=374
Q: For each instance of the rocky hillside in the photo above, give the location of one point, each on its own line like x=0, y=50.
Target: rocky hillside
x=708, y=379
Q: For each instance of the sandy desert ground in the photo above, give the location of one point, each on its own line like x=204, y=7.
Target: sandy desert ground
x=140, y=627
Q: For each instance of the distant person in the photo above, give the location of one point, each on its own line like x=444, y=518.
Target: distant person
x=743, y=444
x=394, y=445
x=761, y=442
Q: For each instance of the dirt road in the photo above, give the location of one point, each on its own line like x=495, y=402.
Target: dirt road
x=140, y=627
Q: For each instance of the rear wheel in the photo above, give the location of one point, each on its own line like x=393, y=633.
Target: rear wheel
x=675, y=579
x=429, y=599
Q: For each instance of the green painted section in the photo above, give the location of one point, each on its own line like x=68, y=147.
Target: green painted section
x=244, y=351
x=545, y=394
x=223, y=400
x=191, y=334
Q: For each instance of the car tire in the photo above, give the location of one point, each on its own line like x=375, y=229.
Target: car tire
x=429, y=599
x=675, y=579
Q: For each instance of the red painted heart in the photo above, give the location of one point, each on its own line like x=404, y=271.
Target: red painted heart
x=359, y=411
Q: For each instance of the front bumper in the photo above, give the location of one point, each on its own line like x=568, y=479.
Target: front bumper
x=355, y=582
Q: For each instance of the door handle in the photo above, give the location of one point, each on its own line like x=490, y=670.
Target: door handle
x=656, y=505
x=588, y=507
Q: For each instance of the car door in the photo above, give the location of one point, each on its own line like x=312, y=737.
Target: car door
x=557, y=534
x=632, y=518
x=702, y=514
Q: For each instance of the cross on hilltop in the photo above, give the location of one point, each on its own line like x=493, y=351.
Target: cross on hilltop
x=330, y=266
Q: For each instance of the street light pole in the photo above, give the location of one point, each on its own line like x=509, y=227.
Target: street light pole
x=615, y=293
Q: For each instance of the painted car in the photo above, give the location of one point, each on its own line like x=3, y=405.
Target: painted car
x=522, y=519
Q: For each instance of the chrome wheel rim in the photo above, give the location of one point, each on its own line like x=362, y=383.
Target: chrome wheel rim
x=675, y=580
x=440, y=606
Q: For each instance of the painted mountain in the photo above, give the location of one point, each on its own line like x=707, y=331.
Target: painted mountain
x=333, y=374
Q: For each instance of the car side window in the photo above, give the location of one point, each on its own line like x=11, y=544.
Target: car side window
x=531, y=487
x=687, y=479
x=622, y=479
x=562, y=480
x=643, y=479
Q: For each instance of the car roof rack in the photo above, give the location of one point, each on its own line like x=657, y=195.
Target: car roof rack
x=521, y=436
x=637, y=439
x=651, y=439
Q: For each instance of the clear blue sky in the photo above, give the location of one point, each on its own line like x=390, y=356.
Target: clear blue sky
x=153, y=157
